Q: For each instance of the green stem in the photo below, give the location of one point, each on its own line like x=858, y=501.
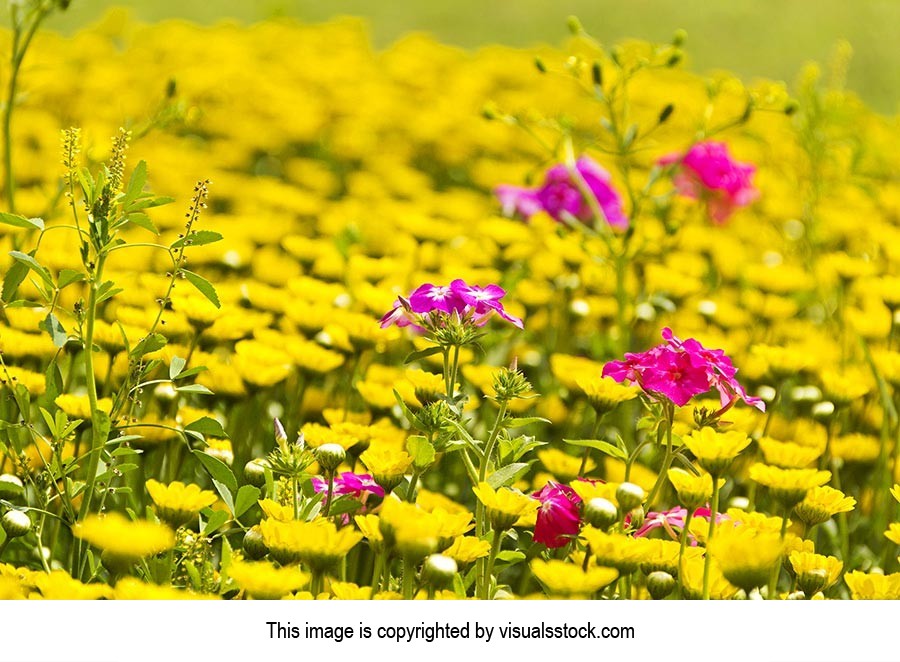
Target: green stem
x=409, y=580
x=485, y=583
x=713, y=511
x=295, y=496
x=329, y=496
x=667, y=458
x=411, y=488
x=776, y=571
x=377, y=572
x=685, y=532
x=317, y=583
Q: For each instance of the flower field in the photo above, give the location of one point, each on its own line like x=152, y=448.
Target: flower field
x=326, y=322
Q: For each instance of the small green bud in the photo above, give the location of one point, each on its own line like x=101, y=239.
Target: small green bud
x=675, y=58
x=679, y=37
x=660, y=584
x=813, y=581
x=439, y=570
x=15, y=523
x=666, y=113
x=597, y=74
x=254, y=546
x=574, y=25
x=539, y=65
x=791, y=107
x=330, y=456
x=255, y=472
x=636, y=516
x=630, y=496
x=11, y=487
x=601, y=513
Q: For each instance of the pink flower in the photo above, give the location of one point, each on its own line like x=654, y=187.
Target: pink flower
x=707, y=172
x=358, y=485
x=433, y=301
x=672, y=521
x=679, y=370
x=561, y=196
x=559, y=516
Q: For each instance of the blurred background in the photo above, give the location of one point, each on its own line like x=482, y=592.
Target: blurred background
x=753, y=38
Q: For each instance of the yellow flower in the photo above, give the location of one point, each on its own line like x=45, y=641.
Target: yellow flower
x=263, y=581
x=122, y=538
x=873, y=586
x=856, y=448
x=414, y=532
x=605, y=393
x=387, y=466
x=746, y=557
x=176, y=503
x=562, y=465
x=815, y=572
x=693, y=491
x=895, y=490
x=319, y=544
x=716, y=450
x=893, y=533
x=77, y=406
x=504, y=506
x=788, y=455
x=845, y=386
x=466, y=549
x=821, y=503
x=350, y=591
x=317, y=435
x=615, y=550
x=59, y=585
x=369, y=525
x=274, y=510
x=719, y=587
x=789, y=486
x=589, y=489
x=130, y=588
x=569, y=580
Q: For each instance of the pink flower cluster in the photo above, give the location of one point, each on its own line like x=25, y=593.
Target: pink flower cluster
x=481, y=303
x=560, y=195
x=679, y=370
x=707, y=172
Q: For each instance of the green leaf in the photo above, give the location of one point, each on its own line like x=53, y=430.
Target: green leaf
x=198, y=238
x=511, y=556
x=344, y=505
x=246, y=497
x=508, y=474
x=136, y=183
x=207, y=426
x=194, y=388
x=215, y=519
x=30, y=262
x=101, y=422
x=13, y=278
x=190, y=372
x=107, y=290
x=218, y=470
x=523, y=421
x=421, y=451
x=54, y=381
x=18, y=221
x=69, y=276
x=56, y=331
x=422, y=354
x=203, y=286
x=147, y=203
x=142, y=221
x=152, y=343
x=176, y=366
x=603, y=446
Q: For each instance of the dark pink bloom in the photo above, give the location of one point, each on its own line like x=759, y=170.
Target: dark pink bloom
x=561, y=196
x=559, y=516
x=358, y=485
x=468, y=301
x=707, y=172
x=679, y=370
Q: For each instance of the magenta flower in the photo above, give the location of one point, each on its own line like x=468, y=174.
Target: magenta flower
x=560, y=195
x=357, y=485
x=679, y=370
x=672, y=521
x=433, y=301
x=559, y=516
x=707, y=172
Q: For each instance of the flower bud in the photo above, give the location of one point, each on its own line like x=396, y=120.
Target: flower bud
x=330, y=456
x=812, y=581
x=254, y=545
x=439, y=570
x=574, y=25
x=636, y=517
x=630, y=496
x=11, y=487
x=822, y=411
x=601, y=513
x=660, y=584
x=679, y=37
x=15, y=523
x=255, y=472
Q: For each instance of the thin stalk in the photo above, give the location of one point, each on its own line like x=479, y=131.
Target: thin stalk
x=681, y=549
x=409, y=579
x=713, y=511
x=485, y=584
